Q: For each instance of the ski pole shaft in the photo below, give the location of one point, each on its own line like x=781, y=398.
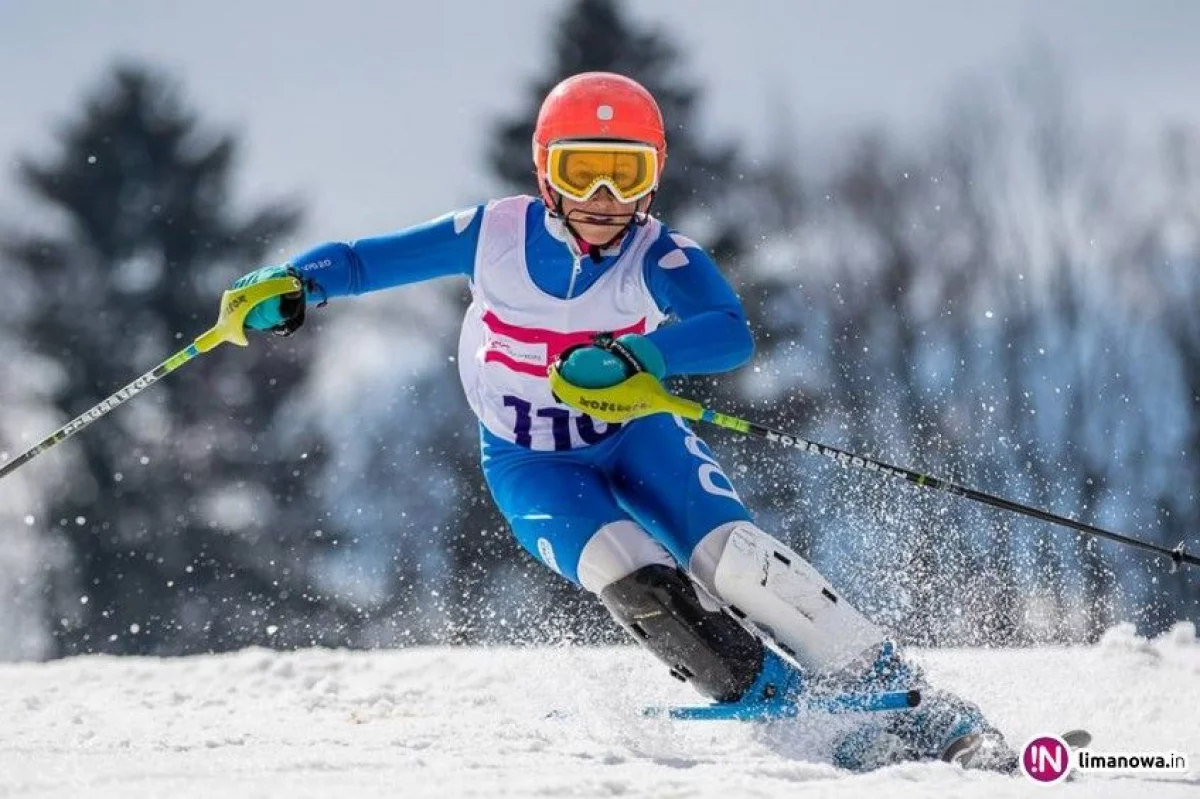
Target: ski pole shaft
x=101, y=408
x=1177, y=555
x=642, y=394
x=235, y=304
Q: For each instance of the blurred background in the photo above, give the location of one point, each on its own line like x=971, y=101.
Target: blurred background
x=967, y=235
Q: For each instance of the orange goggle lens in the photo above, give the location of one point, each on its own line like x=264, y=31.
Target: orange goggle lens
x=577, y=169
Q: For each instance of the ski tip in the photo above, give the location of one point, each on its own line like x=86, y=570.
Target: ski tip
x=1077, y=739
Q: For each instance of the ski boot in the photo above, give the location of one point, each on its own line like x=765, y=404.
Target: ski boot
x=778, y=682
x=942, y=727
x=947, y=727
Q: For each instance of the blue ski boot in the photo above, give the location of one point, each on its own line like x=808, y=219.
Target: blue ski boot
x=942, y=727
x=947, y=727
x=874, y=743
x=778, y=682
x=775, y=693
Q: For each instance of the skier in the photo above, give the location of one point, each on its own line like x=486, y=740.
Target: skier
x=638, y=513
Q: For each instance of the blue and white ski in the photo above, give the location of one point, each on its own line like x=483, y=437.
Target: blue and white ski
x=790, y=708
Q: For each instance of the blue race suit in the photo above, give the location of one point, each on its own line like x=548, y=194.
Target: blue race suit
x=654, y=471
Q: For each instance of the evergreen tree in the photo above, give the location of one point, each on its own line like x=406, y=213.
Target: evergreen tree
x=184, y=530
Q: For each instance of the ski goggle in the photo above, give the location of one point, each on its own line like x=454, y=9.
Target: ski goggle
x=578, y=168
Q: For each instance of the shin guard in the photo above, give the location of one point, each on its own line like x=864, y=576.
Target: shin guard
x=658, y=605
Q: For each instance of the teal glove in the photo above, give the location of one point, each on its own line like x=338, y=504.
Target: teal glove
x=281, y=315
x=597, y=366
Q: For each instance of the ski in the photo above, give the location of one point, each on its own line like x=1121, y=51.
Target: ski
x=790, y=708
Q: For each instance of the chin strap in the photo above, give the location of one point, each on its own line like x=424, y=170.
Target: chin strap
x=594, y=251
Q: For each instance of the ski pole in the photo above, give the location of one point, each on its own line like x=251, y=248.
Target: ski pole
x=235, y=304
x=641, y=395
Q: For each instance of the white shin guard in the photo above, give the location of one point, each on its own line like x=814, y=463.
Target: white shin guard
x=770, y=586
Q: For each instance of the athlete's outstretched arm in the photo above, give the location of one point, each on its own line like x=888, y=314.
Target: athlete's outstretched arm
x=444, y=246
x=712, y=334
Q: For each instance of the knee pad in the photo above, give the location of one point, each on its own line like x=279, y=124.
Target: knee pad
x=781, y=594
x=658, y=606
x=615, y=550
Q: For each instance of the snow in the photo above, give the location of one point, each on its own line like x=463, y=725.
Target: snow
x=542, y=722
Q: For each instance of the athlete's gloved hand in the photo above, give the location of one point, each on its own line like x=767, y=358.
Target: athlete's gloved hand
x=282, y=315
x=608, y=361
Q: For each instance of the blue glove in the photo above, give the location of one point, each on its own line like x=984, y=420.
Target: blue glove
x=597, y=366
x=282, y=315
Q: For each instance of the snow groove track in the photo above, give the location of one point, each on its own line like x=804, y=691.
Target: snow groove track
x=542, y=722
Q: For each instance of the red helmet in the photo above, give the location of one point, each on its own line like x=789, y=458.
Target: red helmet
x=596, y=105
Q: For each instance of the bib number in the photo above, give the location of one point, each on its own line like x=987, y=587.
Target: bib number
x=560, y=424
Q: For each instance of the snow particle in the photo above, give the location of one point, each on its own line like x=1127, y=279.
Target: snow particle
x=135, y=629
x=29, y=520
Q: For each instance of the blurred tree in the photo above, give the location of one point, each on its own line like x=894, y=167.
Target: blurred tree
x=1168, y=291
x=25, y=382
x=183, y=529
x=965, y=305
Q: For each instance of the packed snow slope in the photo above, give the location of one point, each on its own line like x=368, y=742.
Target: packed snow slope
x=543, y=722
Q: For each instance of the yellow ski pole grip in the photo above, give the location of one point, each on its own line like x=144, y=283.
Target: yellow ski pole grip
x=640, y=395
x=236, y=304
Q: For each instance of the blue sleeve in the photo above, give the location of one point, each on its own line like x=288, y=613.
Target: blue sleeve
x=444, y=246
x=711, y=334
